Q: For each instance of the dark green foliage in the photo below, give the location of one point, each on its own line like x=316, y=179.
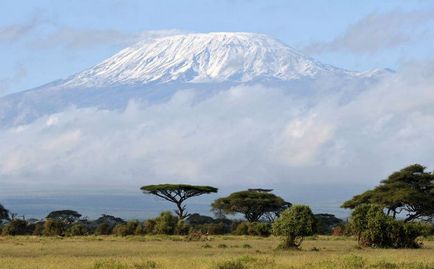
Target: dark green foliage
x=196, y=219
x=103, y=229
x=182, y=228
x=149, y=226
x=4, y=213
x=165, y=223
x=39, y=229
x=294, y=224
x=120, y=230
x=326, y=223
x=54, y=228
x=132, y=226
x=177, y=194
x=77, y=229
x=410, y=190
x=259, y=229
x=241, y=228
x=253, y=204
x=15, y=227
x=65, y=216
x=374, y=229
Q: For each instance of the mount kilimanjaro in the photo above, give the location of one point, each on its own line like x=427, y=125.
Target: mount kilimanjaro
x=154, y=70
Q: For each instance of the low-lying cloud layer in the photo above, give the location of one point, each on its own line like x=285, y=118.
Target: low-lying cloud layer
x=245, y=135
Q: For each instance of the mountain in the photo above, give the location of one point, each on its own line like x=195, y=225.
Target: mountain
x=155, y=69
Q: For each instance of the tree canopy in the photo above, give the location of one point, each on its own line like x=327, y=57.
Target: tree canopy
x=253, y=204
x=65, y=216
x=410, y=191
x=294, y=224
x=4, y=213
x=177, y=194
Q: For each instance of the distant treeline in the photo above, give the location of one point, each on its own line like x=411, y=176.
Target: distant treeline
x=375, y=220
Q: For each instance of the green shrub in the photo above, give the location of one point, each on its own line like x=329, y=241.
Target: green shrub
x=77, y=229
x=103, y=229
x=39, y=229
x=54, y=228
x=215, y=228
x=374, y=229
x=131, y=226
x=15, y=227
x=259, y=229
x=120, y=230
x=182, y=228
x=149, y=226
x=165, y=223
x=242, y=229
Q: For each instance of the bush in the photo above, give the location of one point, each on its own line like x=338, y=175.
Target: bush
x=182, y=228
x=242, y=229
x=77, y=230
x=39, y=229
x=120, y=230
x=103, y=229
x=294, y=224
x=165, y=223
x=374, y=229
x=131, y=226
x=215, y=228
x=139, y=230
x=15, y=227
x=149, y=226
x=54, y=228
x=259, y=229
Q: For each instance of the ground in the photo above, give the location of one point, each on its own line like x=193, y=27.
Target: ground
x=220, y=252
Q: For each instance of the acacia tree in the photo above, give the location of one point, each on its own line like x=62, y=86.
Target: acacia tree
x=64, y=216
x=253, y=204
x=178, y=194
x=294, y=224
x=409, y=191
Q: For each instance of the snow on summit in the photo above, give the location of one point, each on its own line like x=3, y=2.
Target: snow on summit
x=209, y=57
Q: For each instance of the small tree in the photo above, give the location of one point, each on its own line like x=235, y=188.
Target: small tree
x=178, y=194
x=253, y=204
x=294, y=224
x=65, y=216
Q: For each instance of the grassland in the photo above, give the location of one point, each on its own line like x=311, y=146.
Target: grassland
x=224, y=252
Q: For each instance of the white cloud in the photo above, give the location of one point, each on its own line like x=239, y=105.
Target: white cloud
x=379, y=31
x=246, y=135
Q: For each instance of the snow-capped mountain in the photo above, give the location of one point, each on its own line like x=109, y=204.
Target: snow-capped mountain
x=213, y=57
x=155, y=69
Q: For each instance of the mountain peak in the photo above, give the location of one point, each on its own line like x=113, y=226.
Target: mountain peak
x=202, y=57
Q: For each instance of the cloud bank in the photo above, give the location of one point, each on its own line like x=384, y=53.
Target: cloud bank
x=245, y=136
x=377, y=32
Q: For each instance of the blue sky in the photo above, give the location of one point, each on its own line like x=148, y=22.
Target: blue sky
x=41, y=41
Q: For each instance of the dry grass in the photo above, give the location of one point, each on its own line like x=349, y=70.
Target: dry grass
x=176, y=253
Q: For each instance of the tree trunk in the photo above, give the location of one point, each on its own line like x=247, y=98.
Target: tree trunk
x=180, y=211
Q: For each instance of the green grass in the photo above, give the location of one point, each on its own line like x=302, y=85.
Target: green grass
x=174, y=252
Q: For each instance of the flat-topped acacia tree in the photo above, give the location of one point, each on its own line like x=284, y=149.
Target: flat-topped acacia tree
x=177, y=194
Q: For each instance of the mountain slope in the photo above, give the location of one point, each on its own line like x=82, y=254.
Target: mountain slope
x=213, y=57
x=154, y=70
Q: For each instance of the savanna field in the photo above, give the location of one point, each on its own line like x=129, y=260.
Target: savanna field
x=219, y=252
